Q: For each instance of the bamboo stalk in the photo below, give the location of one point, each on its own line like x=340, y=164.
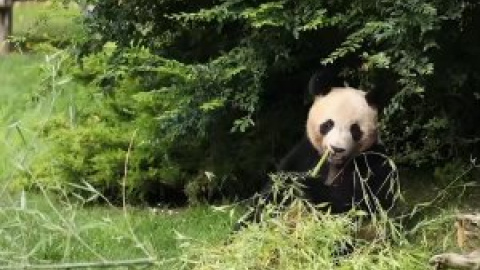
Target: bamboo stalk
x=101, y=264
x=319, y=165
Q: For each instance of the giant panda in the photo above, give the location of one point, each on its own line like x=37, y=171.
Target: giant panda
x=358, y=174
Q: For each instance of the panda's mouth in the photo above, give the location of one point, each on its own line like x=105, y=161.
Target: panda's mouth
x=337, y=160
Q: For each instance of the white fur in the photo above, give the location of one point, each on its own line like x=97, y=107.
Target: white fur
x=344, y=106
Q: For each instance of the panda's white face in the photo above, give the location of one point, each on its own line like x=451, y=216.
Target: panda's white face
x=343, y=122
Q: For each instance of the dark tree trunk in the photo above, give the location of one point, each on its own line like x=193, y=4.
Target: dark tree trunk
x=5, y=28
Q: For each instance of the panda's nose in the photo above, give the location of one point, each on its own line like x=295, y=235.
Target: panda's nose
x=337, y=150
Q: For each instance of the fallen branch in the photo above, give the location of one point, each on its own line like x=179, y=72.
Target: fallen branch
x=103, y=264
x=467, y=226
x=470, y=261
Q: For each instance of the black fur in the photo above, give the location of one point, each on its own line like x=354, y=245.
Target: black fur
x=377, y=98
x=323, y=80
x=346, y=192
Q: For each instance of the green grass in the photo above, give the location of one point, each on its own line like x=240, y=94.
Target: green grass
x=68, y=232
x=38, y=228
x=44, y=228
x=53, y=229
x=36, y=26
x=42, y=24
x=297, y=238
x=20, y=75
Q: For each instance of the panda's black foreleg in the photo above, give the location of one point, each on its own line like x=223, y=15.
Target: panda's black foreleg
x=300, y=159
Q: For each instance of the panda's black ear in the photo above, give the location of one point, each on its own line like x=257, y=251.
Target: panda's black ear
x=372, y=98
x=323, y=80
x=377, y=98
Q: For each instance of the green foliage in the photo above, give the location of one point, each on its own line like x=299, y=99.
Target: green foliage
x=53, y=228
x=217, y=86
x=19, y=75
x=309, y=242
x=299, y=236
x=162, y=106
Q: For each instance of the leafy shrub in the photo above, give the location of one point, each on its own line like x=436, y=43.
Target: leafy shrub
x=165, y=103
x=407, y=46
x=186, y=74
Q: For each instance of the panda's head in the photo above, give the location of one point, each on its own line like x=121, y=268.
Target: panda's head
x=343, y=120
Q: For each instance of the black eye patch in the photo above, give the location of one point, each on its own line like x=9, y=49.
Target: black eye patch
x=326, y=126
x=357, y=133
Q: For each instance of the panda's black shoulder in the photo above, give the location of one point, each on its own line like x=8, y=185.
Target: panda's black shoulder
x=301, y=158
x=376, y=155
x=375, y=160
x=377, y=148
